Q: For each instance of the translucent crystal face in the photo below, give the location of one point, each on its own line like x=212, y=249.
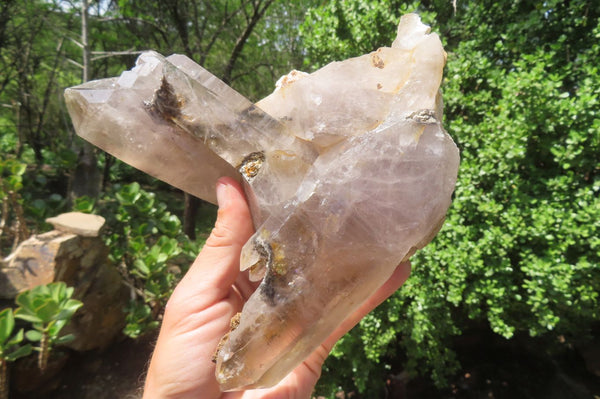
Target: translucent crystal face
x=347, y=171
x=378, y=189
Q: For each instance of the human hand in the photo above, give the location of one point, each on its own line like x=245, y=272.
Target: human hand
x=209, y=295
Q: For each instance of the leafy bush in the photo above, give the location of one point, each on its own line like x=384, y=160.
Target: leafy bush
x=147, y=244
x=13, y=227
x=29, y=195
x=520, y=248
x=48, y=308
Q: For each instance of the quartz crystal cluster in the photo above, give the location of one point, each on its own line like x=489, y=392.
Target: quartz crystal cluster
x=347, y=171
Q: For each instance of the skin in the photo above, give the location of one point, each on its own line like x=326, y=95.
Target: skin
x=210, y=294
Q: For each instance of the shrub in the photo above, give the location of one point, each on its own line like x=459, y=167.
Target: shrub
x=520, y=248
x=147, y=244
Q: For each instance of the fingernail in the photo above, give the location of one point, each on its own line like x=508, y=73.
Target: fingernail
x=222, y=194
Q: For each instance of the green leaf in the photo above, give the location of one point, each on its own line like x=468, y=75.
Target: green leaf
x=68, y=309
x=7, y=324
x=58, y=291
x=24, y=315
x=129, y=194
x=18, y=168
x=84, y=204
x=64, y=339
x=17, y=338
x=48, y=311
x=141, y=266
x=22, y=351
x=33, y=335
x=55, y=327
x=24, y=301
x=46, y=304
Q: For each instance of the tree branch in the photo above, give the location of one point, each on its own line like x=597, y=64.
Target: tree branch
x=252, y=69
x=224, y=22
x=181, y=26
x=48, y=91
x=134, y=19
x=106, y=54
x=243, y=38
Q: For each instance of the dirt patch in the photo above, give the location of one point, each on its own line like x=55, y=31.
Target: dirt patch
x=492, y=368
x=496, y=368
x=117, y=372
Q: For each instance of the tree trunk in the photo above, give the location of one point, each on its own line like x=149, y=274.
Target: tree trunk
x=44, y=352
x=3, y=379
x=190, y=212
x=85, y=180
x=192, y=203
x=109, y=161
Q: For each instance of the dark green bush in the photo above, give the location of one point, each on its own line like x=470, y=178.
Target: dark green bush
x=148, y=246
x=520, y=249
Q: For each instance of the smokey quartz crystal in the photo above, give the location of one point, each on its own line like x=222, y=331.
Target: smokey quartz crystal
x=347, y=171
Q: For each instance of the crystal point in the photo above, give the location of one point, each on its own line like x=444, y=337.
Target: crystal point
x=347, y=171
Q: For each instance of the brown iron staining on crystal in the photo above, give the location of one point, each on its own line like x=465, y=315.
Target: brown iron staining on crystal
x=273, y=332
x=278, y=264
x=423, y=116
x=271, y=258
x=233, y=324
x=265, y=255
x=377, y=61
x=251, y=164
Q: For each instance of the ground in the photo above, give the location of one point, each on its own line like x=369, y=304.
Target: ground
x=117, y=372
x=493, y=368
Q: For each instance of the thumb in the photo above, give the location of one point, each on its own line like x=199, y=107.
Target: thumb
x=232, y=228
x=217, y=266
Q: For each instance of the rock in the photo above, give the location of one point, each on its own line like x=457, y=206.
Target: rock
x=41, y=259
x=102, y=317
x=81, y=262
x=82, y=224
x=347, y=171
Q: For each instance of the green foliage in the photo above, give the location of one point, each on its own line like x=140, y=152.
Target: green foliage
x=32, y=59
x=48, y=308
x=519, y=250
x=140, y=319
x=344, y=29
x=147, y=243
x=11, y=347
x=13, y=227
x=11, y=176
